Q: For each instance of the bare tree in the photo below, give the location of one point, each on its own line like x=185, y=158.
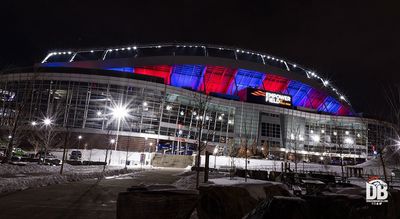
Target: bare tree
x=295, y=137
x=15, y=124
x=231, y=153
x=201, y=105
x=47, y=134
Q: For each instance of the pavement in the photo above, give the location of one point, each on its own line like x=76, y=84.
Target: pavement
x=84, y=199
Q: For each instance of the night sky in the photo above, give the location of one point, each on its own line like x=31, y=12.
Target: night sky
x=353, y=43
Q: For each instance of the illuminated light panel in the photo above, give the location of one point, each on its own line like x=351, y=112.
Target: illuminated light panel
x=314, y=99
x=160, y=71
x=216, y=79
x=123, y=69
x=245, y=78
x=275, y=83
x=188, y=76
x=298, y=91
x=344, y=111
x=330, y=105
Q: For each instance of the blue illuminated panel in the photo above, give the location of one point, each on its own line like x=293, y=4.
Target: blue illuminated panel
x=245, y=78
x=124, y=69
x=298, y=91
x=330, y=105
x=187, y=76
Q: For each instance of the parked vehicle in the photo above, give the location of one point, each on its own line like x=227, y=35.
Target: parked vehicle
x=18, y=152
x=41, y=154
x=75, y=155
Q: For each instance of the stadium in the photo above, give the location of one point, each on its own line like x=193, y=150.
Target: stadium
x=148, y=98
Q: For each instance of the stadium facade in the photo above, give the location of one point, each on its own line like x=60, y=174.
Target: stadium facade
x=275, y=105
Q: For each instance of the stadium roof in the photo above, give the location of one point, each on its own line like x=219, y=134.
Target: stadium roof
x=219, y=69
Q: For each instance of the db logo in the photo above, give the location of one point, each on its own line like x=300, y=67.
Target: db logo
x=376, y=192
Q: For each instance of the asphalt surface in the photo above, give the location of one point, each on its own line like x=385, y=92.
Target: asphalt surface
x=84, y=199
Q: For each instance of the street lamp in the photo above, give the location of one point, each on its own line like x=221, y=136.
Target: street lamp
x=119, y=112
x=112, y=141
x=33, y=123
x=151, y=144
x=179, y=141
x=79, y=141
x=47, y=121
x=215, y=156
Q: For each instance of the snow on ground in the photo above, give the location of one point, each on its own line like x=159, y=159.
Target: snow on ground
x=236, y=180
x=14, y=178
x=269, y=165
x=374, y=167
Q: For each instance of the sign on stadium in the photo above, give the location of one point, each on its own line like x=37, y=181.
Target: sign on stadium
x=278, y=99
x=265, y=97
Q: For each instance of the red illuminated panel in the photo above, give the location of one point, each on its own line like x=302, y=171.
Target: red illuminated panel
x=344, y=111
x=160, y=71
x=314, y=99
x=275, y=83
x=216, y=79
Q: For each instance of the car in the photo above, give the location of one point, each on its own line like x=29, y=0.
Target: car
x=42, y=153
x=75, y=155
x=18, y=152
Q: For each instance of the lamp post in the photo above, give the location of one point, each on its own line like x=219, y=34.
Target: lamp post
x=119, y=112
x=215, y=156
x=47, y=123
x=179, y=142
x=316, y=138
x=112, y=141
x=155, y=148
x=349, y=141
x=79, y=141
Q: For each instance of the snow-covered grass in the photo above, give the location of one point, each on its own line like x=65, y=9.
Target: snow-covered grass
x=374, y=167
x=14, y=178
x=236, y=180
x=269, y=165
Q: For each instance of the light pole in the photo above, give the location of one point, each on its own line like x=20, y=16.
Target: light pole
x=215, y=157
x=79, y=141
x=112, y=141
x=316, y=138
x=179, y=142
x=349, y=141
x=47, y=123
x=119, y=112
x=151, y=144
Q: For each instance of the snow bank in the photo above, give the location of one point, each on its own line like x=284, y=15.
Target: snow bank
x=236, y=180
x=269, y=165
x=33, y=175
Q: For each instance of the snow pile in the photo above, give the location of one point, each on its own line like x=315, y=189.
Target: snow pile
x=37, y=178
x=269, y=165
x=236, y=180
x=29, y=168
x=374, y=167
x=9, y=170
